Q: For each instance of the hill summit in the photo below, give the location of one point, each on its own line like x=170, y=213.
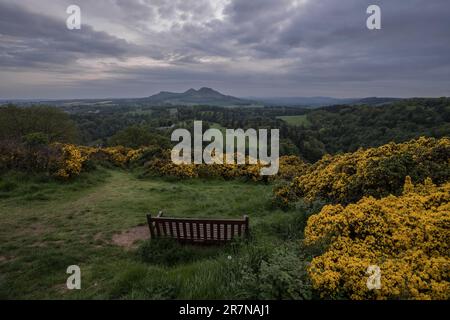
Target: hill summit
x=203, y=96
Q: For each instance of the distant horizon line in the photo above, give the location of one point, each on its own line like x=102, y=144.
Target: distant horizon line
x=216, y=90
x=249, y=97
x=240, y=97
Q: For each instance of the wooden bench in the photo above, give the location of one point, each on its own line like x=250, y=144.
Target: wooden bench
x=205, y=231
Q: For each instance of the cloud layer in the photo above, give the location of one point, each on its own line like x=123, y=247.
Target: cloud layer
x=246, y=48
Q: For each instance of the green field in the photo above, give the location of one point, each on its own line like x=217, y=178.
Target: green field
x=45, y=226
x=296, y=120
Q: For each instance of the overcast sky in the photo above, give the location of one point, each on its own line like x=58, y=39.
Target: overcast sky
x=260, y=48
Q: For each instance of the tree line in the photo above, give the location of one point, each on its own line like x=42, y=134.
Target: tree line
x=327, y=130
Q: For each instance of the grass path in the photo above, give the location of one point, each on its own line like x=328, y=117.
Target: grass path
x=69, y=224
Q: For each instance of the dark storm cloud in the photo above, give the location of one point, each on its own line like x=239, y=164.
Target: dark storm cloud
x=29, y=39
x=264, y=47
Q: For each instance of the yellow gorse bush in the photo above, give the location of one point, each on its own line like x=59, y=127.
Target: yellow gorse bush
x=346, y=178
x=119, y=156
x=407, y=236
x=66, y=161
x=72, y=158
x=71, y=161
x=289, y=166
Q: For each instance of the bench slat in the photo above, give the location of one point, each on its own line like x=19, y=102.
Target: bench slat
x=197, y=226
x=198, y=230
x=167, y=229
x=188, y=220
x=184, y=230
x=211, y=231
x=191, y=227
x=158, y=230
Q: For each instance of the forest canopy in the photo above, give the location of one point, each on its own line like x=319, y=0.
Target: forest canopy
x=47, y=123
x=308, y=133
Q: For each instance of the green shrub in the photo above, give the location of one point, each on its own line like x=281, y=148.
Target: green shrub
x=35, y=139
x=286, y=226
x=309, y=207
x=282, y=274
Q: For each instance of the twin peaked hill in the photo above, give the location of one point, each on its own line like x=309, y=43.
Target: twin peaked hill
x=204, y=96
x=210, y=97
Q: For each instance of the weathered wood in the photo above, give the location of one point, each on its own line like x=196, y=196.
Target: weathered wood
x=158, y=230
x=213, y=231
x=166, y=229
x=177, y=228
x=197, y=228
x=151, y=226
x=191, y=227
x=210, y=231
x=184, y=230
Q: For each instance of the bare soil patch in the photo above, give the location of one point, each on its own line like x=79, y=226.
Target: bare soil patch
x=35, y=229
x=128, y=238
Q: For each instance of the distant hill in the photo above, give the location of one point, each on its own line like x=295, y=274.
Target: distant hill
x=313, y=102
x=375, y=101
x=204, y=96
x=317, y=102
x=207, y=97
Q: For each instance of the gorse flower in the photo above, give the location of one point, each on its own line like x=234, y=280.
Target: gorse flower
x=378, y=172
x=71, y=161
x=407, y=236
x=65, y=161
x=163, y=166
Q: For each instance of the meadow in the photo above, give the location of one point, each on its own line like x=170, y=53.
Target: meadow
x=47, y=226
x=301, y=120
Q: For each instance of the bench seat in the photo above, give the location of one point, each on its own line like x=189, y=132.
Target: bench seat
x=191, y=230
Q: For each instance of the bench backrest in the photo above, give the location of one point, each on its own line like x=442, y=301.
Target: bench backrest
x=197, y=230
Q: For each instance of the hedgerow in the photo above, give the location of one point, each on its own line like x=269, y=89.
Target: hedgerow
x=63, y=161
